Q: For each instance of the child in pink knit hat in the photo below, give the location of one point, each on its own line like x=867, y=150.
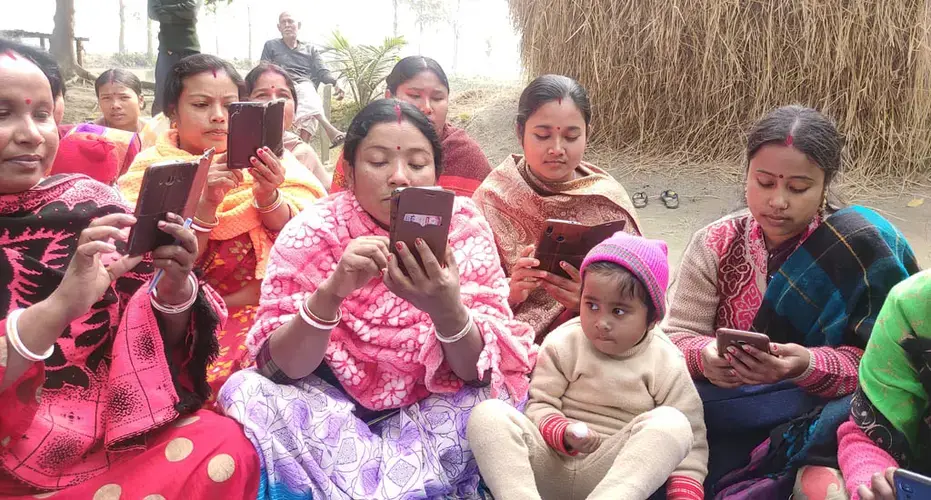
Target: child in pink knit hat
x=613, y=412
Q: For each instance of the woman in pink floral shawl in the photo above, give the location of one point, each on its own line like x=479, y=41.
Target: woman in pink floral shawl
x=366, y=377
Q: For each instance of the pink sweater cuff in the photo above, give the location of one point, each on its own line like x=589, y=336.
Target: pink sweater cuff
x=832, y=372
x=684, y=488
x=553, y=428
x=859, y=457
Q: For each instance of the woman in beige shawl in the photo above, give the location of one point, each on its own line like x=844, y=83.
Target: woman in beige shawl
x=550, y=181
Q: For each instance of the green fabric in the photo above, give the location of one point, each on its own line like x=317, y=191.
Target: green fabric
x=888, y=377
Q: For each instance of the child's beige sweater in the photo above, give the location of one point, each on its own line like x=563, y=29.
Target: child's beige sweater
x=578, y=382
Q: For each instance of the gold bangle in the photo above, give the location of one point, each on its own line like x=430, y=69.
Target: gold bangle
x=206, y=225
x=271, y=207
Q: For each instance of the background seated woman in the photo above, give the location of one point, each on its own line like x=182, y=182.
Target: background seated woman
x=119, y=95
x=550, y=181
x=100, y=383
x=366, y=377
x=422, y=82
x=267, y=82
x=889, y=425
x=811, y=278
x=240, y=212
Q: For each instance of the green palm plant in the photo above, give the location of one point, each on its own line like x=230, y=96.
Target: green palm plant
x=363, y=67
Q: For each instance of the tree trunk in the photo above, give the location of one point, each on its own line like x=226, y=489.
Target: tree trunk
x=395, y=5
x=122, y=26
x=62, y=42
x=454, y=21
x=149, y=46
x=249, y=18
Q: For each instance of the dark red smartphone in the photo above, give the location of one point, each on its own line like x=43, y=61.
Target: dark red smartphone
x=421, y=212
x=172, y=186
x=569, y=241
x=254, y=125
x=727, y=337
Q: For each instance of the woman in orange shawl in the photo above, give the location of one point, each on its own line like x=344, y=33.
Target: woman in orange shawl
x=550, y=181
x=240, y=212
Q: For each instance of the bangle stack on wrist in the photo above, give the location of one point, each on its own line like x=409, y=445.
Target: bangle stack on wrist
x=269, y=208
x=459, y=336
x=12, y=336
x=315, y=321
x=200, y=226
x=179, y=308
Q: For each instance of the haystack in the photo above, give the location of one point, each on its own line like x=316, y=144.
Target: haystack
x=689, y=76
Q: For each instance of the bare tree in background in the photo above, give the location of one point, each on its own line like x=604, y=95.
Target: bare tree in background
x=122, y=26
x=428, y=13
x=149, y=45
x=394, y=4
x=249, y=19
x=453, y=19
x=62, y=42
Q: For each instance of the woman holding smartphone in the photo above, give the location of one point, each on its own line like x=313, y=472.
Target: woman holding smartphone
x=889, y=424
x=808, y=275
x=549, y=181
x=267, y=82
x=101, y=384
x=374, y=370
x=241, y=211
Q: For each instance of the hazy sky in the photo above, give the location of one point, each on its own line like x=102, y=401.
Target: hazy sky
x=488, y=45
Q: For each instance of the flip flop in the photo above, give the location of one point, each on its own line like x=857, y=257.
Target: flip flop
x=340, y=139
x=670, y=198
x=639, y=199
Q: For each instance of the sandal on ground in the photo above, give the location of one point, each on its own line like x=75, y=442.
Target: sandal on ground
x=639, y=199
x=670, y=198
x=338, y=141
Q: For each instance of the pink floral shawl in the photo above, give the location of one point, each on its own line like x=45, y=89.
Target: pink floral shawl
x=384, y=351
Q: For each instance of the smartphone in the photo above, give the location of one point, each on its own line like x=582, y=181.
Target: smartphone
x=911, y=486
x=171, y=186
x=727, y=337
x=421, y=212
x=570, y=242
x=254, y=125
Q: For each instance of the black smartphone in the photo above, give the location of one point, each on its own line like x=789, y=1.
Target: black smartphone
x=254, y=125
x=171, y=186
x=570, y=242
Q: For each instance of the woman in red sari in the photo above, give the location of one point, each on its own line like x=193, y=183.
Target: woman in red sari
x=422, y=82
x=101, y=384
x=240, y=212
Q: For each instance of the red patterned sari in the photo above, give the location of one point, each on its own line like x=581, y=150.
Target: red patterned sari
x=110, y=413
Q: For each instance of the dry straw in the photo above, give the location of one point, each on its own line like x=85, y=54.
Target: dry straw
x=690, y=76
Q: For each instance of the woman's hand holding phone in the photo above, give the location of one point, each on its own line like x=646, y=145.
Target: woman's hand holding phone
x=268, y=173
x=87, y=278
x=717, y=369
x=177, y=261
x=567, y=292
x=220, y=181
x=754, y=367
x=433, y=288
x=525, y=277
x=882, y=486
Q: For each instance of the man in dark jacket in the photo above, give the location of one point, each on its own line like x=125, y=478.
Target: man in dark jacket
x=303, y=63
x=177, y=39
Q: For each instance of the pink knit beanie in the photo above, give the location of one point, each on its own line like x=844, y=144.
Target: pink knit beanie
x=646, y=259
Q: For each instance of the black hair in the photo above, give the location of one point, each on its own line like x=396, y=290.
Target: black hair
x=411, y=66
x=43, y=60
x=195, y=65
x=386, y=111
x=627, y=283
x=804, y=129
x=549, y=88
x=264, y=67
x=119, y=76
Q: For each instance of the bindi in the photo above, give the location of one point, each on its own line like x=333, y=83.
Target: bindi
x=28, y=101
x=399, y=148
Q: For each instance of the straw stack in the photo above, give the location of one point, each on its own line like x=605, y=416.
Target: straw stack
x=690, y=76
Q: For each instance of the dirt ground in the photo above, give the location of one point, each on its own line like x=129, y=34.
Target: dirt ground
x=706, y=191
